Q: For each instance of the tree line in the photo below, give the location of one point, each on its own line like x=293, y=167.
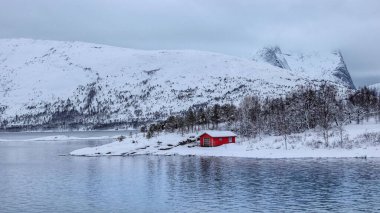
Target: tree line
x=321, y=107
x=195, y=119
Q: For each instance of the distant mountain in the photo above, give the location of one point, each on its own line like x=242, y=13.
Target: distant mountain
x=375, y=87
x=315, y=64
x=68, y=84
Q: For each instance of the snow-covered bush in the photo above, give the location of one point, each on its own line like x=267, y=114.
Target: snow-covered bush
x=120, y=138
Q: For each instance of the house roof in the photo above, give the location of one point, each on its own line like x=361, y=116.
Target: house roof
x=215, y=133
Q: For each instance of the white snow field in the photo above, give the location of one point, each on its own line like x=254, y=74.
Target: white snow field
x=38, y=77
x=312, y=63
x=375, y=87
x=360, y=140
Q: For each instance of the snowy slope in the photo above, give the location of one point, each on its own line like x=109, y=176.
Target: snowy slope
x=314, y=64
x=375, y=87
x=51, y=81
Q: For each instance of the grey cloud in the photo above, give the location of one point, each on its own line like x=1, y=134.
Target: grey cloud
x=227, y=26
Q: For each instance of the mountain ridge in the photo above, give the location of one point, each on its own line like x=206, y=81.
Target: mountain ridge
x=53, y=82
x=330, y=63
x=375, y=87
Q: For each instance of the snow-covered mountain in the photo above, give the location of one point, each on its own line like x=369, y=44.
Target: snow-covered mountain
x=52, y=82
x=375, y=87
x=314, y=64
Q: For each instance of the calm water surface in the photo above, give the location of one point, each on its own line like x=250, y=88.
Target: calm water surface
x=35, y=178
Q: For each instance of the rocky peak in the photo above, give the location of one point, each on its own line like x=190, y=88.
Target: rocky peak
x=274, y=56
x=330, y=66
x=342, y=72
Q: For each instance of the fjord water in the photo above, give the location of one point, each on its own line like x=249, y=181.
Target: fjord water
x=35, y=177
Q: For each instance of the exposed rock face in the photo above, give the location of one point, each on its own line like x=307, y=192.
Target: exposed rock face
x=342, y=73
x=274, y=56
x=328, y=65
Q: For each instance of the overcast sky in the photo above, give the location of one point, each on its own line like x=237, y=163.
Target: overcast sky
x=235, y=27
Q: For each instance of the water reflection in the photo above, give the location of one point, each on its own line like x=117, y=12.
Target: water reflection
x=34, y=178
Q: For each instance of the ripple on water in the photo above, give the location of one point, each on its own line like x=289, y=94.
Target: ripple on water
x=34, y=178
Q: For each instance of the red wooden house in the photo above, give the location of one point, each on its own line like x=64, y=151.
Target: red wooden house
x=216, y=138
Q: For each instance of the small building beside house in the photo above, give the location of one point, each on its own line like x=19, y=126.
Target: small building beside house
x=216, y=138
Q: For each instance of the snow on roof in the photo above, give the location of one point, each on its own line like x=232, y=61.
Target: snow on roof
x=215, y=133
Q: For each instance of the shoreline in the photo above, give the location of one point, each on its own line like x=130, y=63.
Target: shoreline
x=362, y=141
x=359, y=153
x=281, y=157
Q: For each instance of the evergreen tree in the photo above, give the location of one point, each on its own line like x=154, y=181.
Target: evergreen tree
x=215, y=117
x=201, y=118
x=171, y=124
x=190, y=119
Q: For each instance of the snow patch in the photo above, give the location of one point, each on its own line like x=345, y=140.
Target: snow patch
x=361, y=141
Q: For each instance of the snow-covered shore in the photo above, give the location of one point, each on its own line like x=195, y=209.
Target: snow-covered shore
x=361, y=140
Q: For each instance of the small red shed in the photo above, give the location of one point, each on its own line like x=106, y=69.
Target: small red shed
x=216, y=138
